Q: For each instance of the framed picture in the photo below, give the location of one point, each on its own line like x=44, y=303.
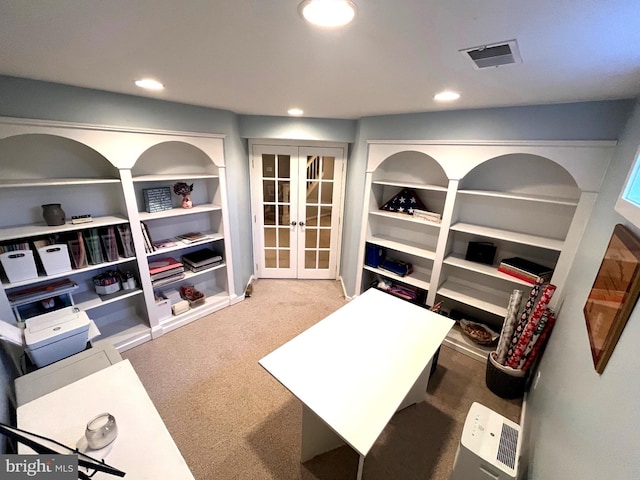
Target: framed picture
x=613, y=295
x=157, y=199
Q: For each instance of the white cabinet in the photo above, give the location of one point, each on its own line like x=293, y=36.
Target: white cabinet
x=529, y=199
x=102, y=171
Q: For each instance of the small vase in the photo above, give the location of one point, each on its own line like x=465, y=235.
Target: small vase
x=186, y=201
x=53, y=214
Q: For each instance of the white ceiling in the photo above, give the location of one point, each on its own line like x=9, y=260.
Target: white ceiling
x=259, y=57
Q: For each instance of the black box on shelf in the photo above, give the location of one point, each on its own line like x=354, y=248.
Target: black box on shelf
x=481, y=252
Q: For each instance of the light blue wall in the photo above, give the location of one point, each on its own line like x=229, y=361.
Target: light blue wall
x=41, y=100
x=290, y=128
x=577, y=121
x=584, y=425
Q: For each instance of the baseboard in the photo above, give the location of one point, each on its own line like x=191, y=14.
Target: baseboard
x=344, y=290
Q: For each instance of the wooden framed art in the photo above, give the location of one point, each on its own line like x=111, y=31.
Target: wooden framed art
x=613, y=295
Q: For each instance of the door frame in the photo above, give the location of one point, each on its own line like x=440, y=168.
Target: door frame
x=256, y=203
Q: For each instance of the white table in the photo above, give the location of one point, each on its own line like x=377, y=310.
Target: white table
x=143, y=449
x=354, y=369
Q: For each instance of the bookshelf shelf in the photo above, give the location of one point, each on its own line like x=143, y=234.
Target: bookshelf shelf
x=28, y=231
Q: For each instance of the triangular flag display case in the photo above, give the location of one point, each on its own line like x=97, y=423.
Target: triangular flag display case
x=406, y=201
x=102, y=173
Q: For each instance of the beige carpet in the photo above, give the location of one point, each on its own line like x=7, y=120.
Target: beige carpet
x=232, y=420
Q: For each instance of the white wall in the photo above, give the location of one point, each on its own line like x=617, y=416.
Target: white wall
x=584, y=425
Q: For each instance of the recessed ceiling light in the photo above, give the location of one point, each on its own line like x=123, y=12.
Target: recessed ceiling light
x=446, y=96
x=295, y=111
x=327, y=13
x=149, y=84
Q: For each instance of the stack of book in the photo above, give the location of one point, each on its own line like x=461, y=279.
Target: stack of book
x=201, y=259
x=525, y=270
x=192, y=237
x=165, y=270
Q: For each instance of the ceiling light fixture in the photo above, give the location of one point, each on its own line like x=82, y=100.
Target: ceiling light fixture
x=296, y=112
x=327, y=13
x=446, y=96
x=149, y=84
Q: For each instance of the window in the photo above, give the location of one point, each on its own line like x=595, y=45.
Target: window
x=628, y=204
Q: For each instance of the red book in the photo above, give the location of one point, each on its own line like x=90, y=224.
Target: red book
x=163, y=264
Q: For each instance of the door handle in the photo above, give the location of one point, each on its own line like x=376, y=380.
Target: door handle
x=293, y=224
x=302, y=224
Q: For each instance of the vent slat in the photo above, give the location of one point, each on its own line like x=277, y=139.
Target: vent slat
x=508, y=446
x=495, y=55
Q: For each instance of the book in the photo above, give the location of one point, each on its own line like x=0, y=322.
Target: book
x=527, y=266
x=148, y=242
x=162, y=264
x=167, y=280
x=201, y=257
x=164, y=243
x=525, y=277
x=192, y=237
x=167, y=273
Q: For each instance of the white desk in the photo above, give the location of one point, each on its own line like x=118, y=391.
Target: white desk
x=143, y=449
x=353, y=370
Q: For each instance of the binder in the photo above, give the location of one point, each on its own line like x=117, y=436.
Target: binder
x=125, y=245
x=94, y=250
x=109, y=243
x=77, y=251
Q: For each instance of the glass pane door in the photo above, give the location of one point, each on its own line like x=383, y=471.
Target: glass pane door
x=296, y=197
x=276, y=255
x=320, y=193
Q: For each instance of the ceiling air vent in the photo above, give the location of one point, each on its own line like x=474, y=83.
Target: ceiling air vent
x=494, y=55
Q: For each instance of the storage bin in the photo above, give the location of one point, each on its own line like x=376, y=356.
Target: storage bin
x=55, y=259
x=163, y=307
x=107, y=289
x=19, y=265
x=506, y=382
x=374, y=255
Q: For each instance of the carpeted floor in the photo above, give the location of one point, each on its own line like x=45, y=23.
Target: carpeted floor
x=232, y=420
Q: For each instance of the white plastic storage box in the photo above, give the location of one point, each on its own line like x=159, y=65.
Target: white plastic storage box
x=19, y=265
x=56, y=335
x=55, y=259
x=163, y=307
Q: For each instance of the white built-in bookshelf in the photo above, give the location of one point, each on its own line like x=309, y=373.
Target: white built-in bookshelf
x=529, y=199
x=102, y=171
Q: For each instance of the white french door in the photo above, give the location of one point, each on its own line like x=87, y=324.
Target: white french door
x=297, y=196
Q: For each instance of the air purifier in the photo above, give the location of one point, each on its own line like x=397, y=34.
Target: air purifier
x=489, y=447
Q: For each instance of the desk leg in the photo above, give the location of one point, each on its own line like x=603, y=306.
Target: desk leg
x=360, y=467
x=317, y=436
x=417, y=392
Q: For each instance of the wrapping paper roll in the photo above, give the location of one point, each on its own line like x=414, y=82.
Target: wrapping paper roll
x=508, y=326
x=513, y=359
x=539, y=343
x=542, y=324
x=524, y=317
